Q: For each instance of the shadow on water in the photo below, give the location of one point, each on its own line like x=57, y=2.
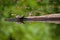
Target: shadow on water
x=55, y=31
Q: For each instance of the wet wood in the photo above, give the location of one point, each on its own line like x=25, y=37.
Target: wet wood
x=50, y=18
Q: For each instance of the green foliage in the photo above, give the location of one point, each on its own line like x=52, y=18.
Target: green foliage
x=29, y=30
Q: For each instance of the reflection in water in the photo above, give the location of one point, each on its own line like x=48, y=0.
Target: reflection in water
x=57, y=31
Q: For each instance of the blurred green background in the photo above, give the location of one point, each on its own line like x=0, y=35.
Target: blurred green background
x=29, y=30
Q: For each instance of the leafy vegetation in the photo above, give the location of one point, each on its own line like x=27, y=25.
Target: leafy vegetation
x=29, y=30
